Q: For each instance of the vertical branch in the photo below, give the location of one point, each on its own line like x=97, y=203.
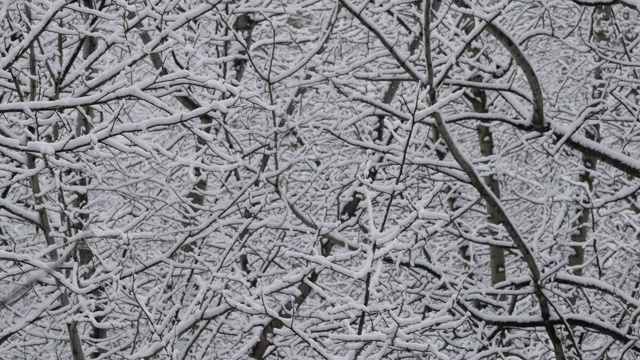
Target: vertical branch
x=431, y=7
x=259, y=349
x=497, y=261
x=83, y=127
x=478, y=99
x=589, y=160
x=81, y=198
x=580, y=233
x=45, y=225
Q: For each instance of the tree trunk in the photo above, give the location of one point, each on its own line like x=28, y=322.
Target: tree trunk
x=589, y=161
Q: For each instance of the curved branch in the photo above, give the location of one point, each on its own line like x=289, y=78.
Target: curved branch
x=634, y=4
x=521, y=60
x=483, y=189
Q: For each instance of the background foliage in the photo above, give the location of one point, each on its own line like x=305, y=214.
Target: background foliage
x=189, y=179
